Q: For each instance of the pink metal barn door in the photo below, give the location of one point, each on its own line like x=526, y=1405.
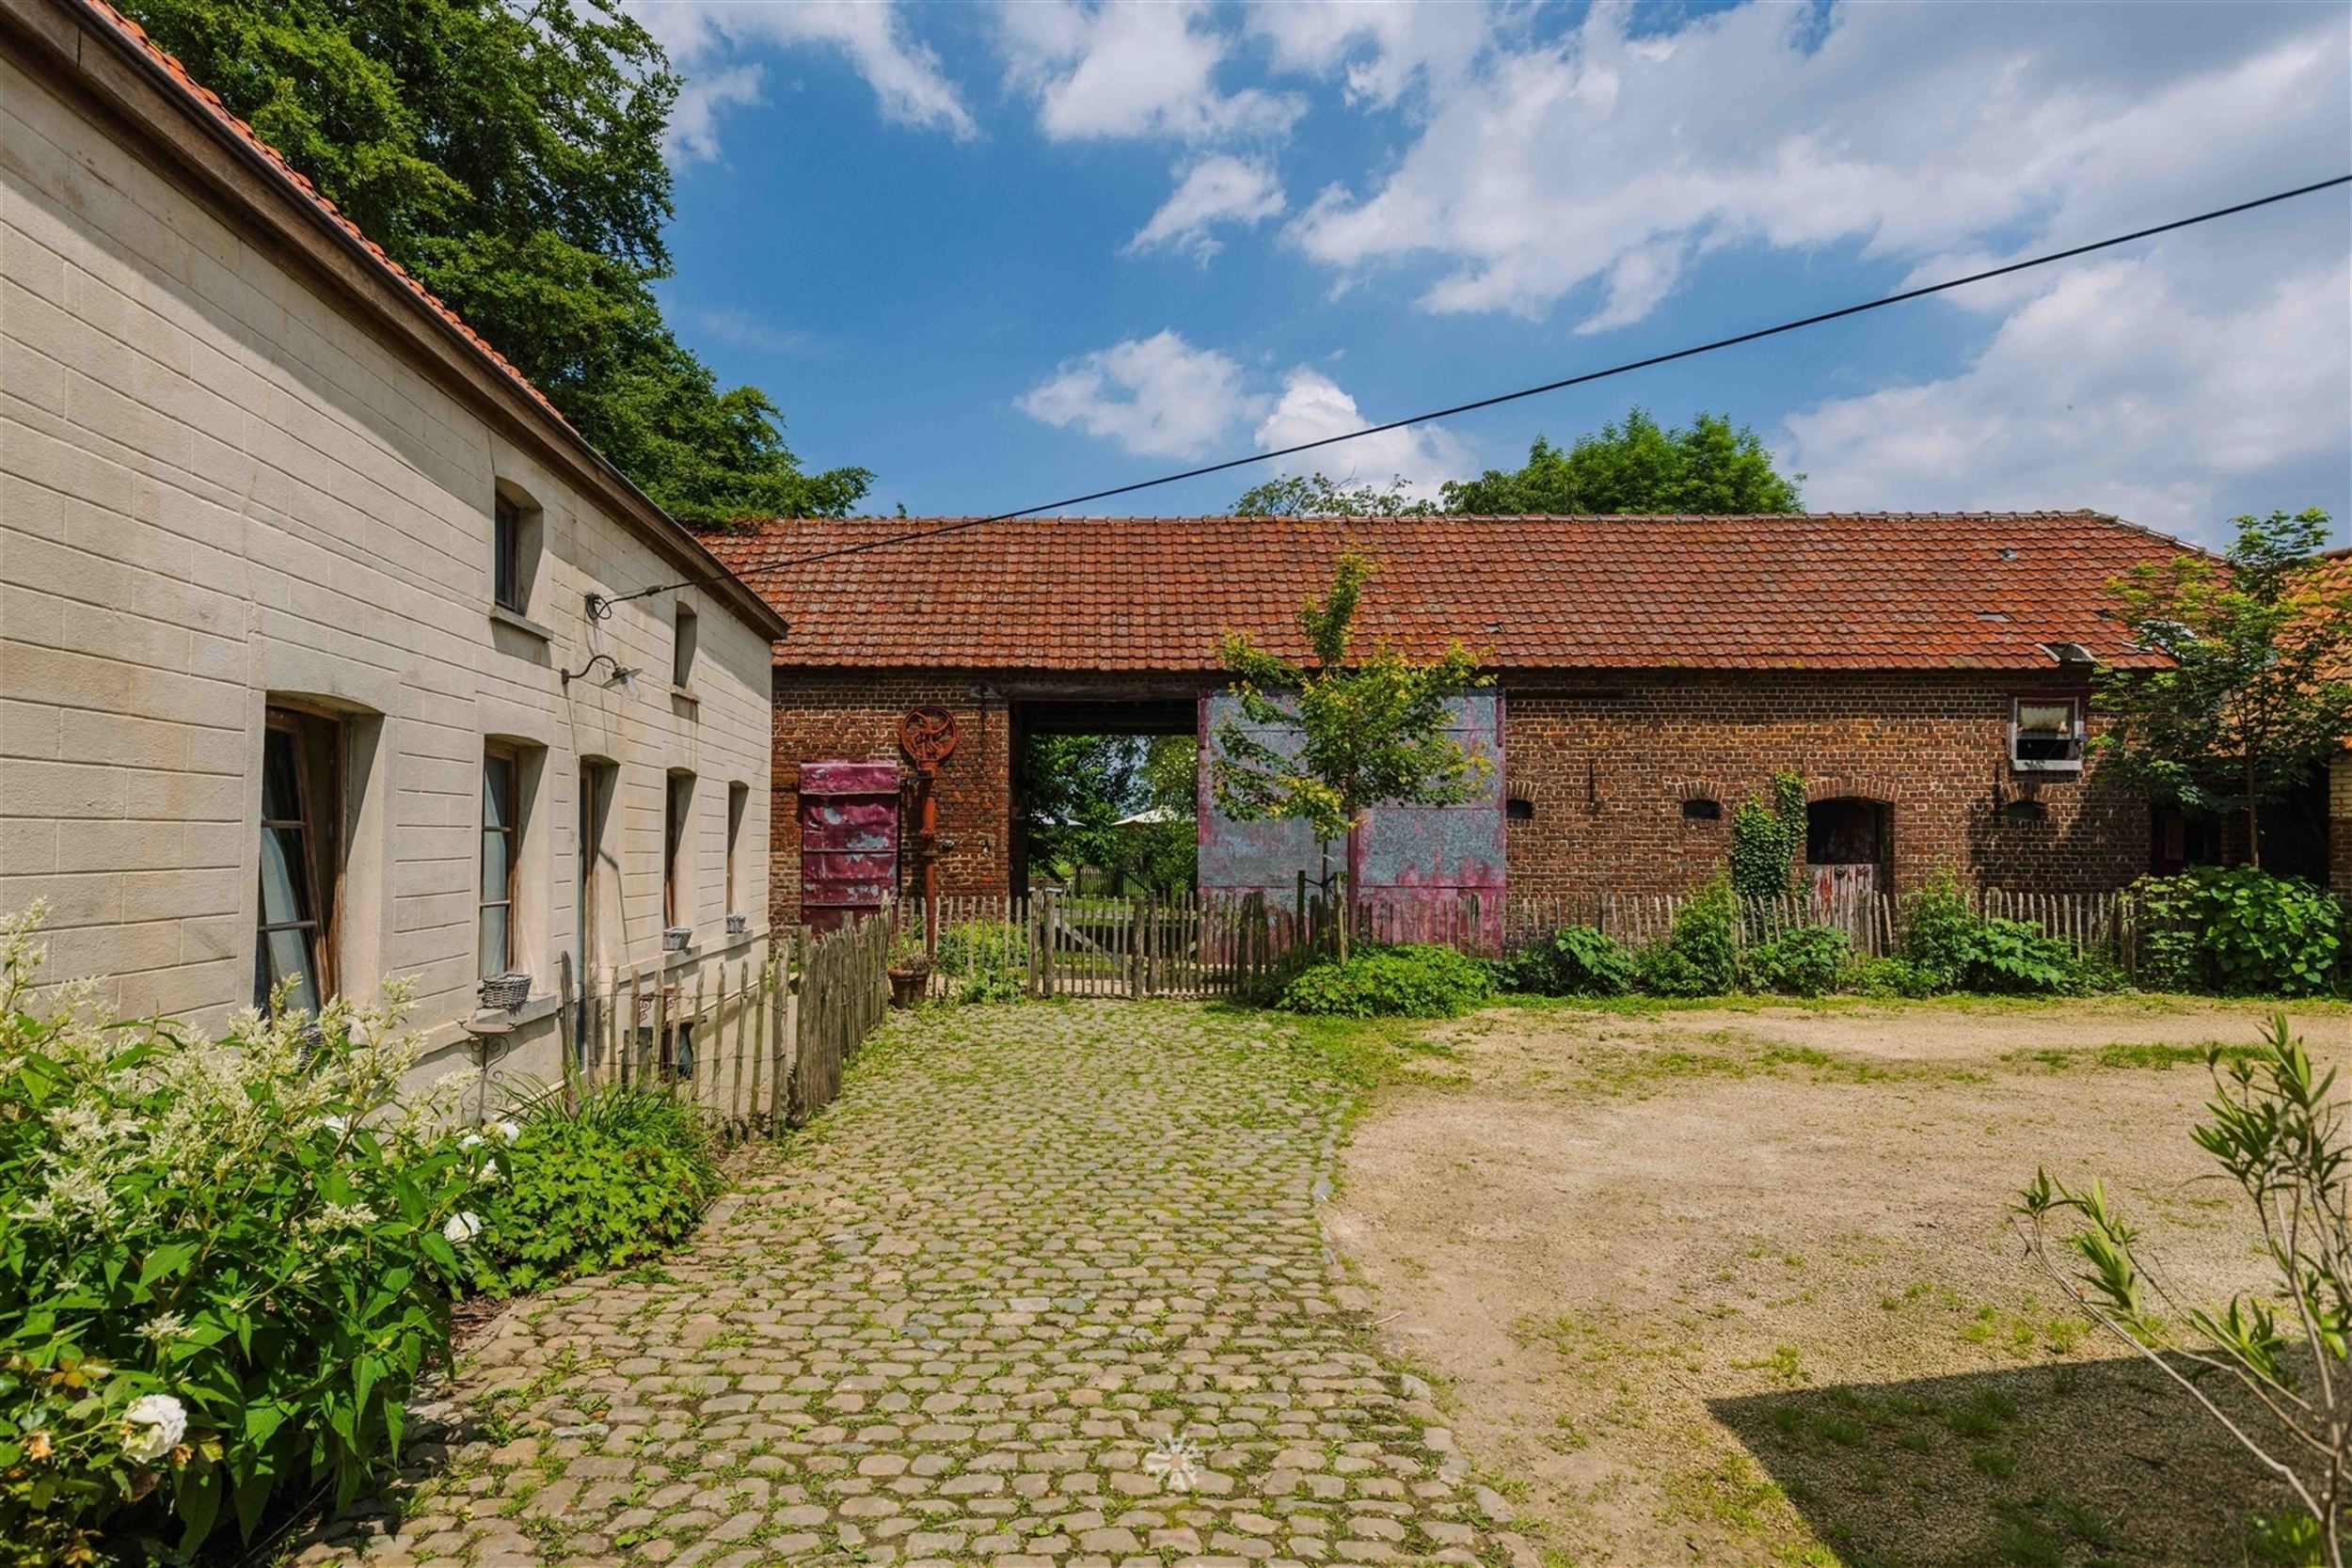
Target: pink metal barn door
x=848, y=840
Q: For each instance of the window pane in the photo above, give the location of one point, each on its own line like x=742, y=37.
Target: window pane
x=281, y=795
x=285, y=877
x=285, y=954
x=494, y=944
x=497, y=793
x=494, y=865
x=2046, y=716
x=506, y=557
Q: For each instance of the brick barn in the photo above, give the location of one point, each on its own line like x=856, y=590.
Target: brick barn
x=1928, y=675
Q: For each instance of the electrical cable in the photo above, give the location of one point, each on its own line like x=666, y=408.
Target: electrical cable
x=599, y=607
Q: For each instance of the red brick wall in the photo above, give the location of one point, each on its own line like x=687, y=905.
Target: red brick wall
x=853, y=716
x=1607, y=763
x=1604, y=762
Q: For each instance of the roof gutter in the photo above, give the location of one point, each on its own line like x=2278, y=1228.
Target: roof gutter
x=695, y=555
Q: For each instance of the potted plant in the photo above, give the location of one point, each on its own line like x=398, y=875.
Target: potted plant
x=909, y=969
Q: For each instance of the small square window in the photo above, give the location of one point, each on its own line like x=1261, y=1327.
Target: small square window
x=2045, y=734
x=1700, y=809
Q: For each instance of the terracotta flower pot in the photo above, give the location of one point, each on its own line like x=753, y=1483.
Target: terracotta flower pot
x=908, y=983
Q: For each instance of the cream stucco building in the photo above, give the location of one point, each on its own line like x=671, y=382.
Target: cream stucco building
x=291, y=572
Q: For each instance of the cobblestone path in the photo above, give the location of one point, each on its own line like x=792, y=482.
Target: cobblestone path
x=952, y=1323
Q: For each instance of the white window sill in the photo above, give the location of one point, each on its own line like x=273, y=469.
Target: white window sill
x=2023, y=766
x=498, y=1021
x=514, y=621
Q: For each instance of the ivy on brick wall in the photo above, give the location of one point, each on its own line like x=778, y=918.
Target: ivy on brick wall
x=1765, y=839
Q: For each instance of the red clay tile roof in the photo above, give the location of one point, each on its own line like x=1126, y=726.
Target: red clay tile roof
x=1811, y=591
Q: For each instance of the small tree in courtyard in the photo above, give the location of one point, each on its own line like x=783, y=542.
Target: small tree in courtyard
x=2277, y=1132
x=2258, y=692
x=1369, y=731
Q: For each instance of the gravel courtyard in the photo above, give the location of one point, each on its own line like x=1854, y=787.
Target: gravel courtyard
x=953, y=1322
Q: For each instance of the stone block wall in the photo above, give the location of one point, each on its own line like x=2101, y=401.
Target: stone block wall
x=220, y=488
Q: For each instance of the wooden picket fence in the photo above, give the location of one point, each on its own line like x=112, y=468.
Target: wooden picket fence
x=756, y=1047
x=1199, y=945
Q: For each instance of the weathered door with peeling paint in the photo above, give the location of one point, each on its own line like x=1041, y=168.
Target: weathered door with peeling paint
x=1414, y=867
x=848, y=840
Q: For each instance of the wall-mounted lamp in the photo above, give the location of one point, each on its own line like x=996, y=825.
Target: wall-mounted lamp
x=621, y=675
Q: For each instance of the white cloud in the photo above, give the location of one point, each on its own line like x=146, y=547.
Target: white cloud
x=1313, y=406
x=1599, y=162
x=1380, y=51
x=1156, y=396
x=2150, y=387
x=705, y=38
x=1218, y=189
x=1133, y=68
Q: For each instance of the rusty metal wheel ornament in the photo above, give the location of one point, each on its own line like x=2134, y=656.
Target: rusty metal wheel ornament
x=929, y=734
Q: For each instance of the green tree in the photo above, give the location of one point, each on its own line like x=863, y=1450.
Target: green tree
x=2257, y=692
x=510, y=157
x=1318, y=495
x=1639, y=466
x=1368, y=730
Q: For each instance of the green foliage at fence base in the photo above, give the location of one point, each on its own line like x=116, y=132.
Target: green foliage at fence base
x=622, y=1176
x=1699, y=956
x=1575, y=961
x=1806, y=961
x=2242, y=932
x=984, y=961
x=1390, y=982
x=1954, y=948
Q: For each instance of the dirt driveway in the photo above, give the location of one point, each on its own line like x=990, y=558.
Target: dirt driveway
x=1740, y=1286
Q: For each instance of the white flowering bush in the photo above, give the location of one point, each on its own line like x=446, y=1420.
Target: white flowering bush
x=223, y=1263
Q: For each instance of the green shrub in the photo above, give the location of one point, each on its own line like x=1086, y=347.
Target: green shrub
x=1951, y=948
x=2240, y=931
x=224, y=1265
x=1698, y=956
x=984, y=961
x=1888, y=977
x=623, y=1175
x=1575, y=961
x=1803, y=963
x=1390, y=982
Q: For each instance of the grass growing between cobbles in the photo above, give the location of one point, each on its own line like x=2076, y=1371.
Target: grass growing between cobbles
x=1038, y=1265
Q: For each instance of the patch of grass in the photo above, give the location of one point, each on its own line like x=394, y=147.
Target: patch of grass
x=2022, y=1334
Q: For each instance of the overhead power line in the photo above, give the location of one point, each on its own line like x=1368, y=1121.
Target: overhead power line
x=1881, y=303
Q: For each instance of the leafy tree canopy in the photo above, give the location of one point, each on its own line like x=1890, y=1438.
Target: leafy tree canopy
x=1079, y=790
x=1369, y=728
x=510, y=157
x=2258, y=692
x=1638, y=466
x=1317, y=495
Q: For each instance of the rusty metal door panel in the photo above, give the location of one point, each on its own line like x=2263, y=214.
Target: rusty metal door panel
x=848, y=840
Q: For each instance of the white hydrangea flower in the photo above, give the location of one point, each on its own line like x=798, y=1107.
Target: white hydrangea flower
x=165, y=1326
x=507, y=1130
x=462, y=1228
x=490, y=1172
x=153, y=1427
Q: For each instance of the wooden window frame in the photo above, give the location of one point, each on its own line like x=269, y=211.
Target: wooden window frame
x=739, y=807
x=685, y=643
x=317, y=739
x=500, y=752
x=677, y=807
x=508, y=589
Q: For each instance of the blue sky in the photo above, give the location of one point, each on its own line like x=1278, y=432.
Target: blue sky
x=1005, y=254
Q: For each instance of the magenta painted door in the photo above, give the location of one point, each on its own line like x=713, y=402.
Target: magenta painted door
x=848, y=840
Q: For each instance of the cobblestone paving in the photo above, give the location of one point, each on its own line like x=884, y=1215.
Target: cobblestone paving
x=953, y=1322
